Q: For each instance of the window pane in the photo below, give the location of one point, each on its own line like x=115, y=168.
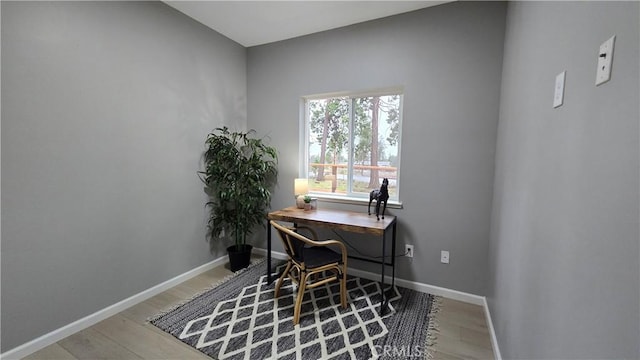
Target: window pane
x=328, y=145
x=372, y=125
x=376, y=132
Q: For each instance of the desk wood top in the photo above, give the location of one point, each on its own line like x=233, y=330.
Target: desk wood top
x=338, y=219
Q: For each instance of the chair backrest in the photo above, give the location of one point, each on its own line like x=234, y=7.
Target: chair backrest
x=291, y=240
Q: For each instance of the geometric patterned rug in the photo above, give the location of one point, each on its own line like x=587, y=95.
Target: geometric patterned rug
x=240, y=319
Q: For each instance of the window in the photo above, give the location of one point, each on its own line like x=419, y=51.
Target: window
x=351, y=143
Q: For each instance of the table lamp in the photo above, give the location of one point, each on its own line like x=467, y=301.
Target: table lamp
x=300, y=189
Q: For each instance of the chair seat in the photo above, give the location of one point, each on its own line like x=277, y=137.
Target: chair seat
x=308, y=259
x=316, y=256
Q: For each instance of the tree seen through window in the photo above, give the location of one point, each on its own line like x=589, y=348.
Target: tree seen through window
x=352, y=143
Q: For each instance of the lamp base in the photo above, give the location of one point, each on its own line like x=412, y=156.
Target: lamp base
x=300, y=201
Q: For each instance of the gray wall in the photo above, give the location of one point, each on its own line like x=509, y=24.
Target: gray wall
x=105, y=107
x=448, y=58
x=564, y=272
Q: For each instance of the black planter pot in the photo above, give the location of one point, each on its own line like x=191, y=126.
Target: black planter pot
x=239, y=256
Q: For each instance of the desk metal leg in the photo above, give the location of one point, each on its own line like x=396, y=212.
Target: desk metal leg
x=383, y=299
x=393, y=256
x=384, y=302
x=269, y=280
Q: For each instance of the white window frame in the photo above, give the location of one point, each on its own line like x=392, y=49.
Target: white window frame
x=304, y=143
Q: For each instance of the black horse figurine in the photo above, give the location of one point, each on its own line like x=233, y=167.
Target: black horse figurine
x=381, y=195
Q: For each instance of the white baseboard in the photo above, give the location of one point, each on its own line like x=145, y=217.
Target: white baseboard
x=421, y=287
x=81, y=324
x=492, y=332
x=87, y=321
x=413, y=285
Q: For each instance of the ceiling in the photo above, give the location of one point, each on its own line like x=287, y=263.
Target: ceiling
x=251, y=23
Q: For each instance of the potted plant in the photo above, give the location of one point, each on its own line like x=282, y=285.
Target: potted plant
x=239, y=173
x=307, y=202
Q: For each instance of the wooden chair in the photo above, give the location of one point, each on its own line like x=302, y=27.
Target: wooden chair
x=311, y=264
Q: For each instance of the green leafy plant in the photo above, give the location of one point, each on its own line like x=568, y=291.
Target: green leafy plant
x=240, y=172
x=307, y=199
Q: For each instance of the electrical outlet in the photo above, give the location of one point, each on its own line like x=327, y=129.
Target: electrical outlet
x=444, y=257
x=408, y=250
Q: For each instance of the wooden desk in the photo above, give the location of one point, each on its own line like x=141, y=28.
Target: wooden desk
x=356, y=222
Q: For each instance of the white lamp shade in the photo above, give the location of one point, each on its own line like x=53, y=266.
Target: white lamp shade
x=301, y=186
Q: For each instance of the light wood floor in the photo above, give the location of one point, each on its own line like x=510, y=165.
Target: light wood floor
x=127, y=335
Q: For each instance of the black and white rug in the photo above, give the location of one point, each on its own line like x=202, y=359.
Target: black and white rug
x=240, y=319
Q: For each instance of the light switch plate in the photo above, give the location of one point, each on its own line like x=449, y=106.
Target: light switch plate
x=558, y=95
x=605, y=59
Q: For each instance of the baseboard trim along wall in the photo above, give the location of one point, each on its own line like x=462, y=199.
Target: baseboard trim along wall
x=89, y=320
x=492, y=332
x=81, y=324
x=431, y=289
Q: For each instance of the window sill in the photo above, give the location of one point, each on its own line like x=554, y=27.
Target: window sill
x=353, y=201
